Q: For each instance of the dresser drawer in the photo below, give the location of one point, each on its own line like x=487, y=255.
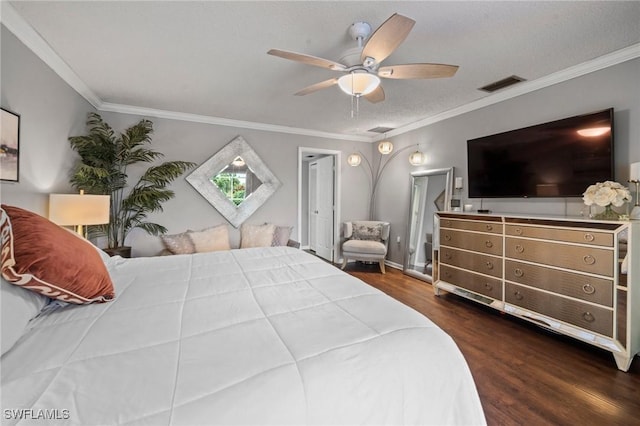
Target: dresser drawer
x=484, y=243
x=589, y=317
x=468, y=225
x=566, y=235
x=580, y=258
x=476, y=262
x=490, y=287
x=585, y=287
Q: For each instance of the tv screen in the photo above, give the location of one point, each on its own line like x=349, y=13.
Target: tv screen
x=556, y=159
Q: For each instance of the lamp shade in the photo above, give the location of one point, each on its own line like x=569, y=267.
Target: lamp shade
x=79, y=209
x=417, y=158
x=358, y=83
x=385, y=147
x=354, y=159
x=634, y=172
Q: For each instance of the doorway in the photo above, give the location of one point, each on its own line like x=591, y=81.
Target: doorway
x=319, y=201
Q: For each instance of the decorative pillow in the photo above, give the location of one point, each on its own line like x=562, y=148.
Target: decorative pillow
x=19, y=306
x=43, y=257
x=281, y=236
x=367, y=231
x=211, y=239
x=178, y=243
x=256, y=235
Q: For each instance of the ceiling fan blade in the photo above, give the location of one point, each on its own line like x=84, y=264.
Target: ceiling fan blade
x=387, y=38
x=307, y=59
x=317, y=86
x=376, y=96
x=415, y=71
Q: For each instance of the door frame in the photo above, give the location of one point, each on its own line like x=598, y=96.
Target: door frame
x=337, y=193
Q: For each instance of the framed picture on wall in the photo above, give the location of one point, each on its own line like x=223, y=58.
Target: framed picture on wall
x=9, y=146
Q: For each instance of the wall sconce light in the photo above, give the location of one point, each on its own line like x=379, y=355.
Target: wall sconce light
x=355, y=159
x=79, y=210
x=385, y=147
x=417, y=158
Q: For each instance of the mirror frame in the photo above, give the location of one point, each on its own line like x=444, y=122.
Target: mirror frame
x=448, y=194
x=200, y=179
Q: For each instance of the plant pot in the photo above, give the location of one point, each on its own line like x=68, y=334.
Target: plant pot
x=124, y=251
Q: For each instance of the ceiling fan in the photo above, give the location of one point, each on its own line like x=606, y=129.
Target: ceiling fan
x=361, y=64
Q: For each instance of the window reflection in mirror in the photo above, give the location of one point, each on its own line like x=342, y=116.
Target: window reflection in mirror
x=236, y=181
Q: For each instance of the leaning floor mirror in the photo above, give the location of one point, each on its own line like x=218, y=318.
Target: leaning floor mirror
x=431, y=191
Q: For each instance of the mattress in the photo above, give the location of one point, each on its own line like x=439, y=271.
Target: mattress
x=252, y=336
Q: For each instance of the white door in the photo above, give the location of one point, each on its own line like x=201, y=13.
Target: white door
x=321, y=206
x=313, y=204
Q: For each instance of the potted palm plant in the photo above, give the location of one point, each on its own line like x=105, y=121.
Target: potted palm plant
x=104, y=162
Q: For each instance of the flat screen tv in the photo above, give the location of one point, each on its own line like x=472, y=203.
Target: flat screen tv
x=556, y=159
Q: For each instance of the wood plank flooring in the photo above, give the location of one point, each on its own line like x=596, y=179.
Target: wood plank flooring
x=525, y=375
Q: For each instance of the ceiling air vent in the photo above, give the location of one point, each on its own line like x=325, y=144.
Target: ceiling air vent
x=501, y=84
x=380, y=129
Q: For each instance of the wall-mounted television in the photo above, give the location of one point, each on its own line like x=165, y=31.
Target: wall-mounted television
x=556, y=159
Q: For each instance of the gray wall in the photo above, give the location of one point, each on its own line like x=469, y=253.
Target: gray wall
x=50, y=111
x=445, y=142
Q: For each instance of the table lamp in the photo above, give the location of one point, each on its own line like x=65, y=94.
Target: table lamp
x=79, y=210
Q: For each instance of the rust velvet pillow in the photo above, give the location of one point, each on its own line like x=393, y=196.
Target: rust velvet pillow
x=43, y=257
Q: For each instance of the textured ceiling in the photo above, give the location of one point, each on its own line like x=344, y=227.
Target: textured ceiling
x=209, y=58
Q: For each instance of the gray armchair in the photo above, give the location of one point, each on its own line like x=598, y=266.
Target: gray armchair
x=366, y=241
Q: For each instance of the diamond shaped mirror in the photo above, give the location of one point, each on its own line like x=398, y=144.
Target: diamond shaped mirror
x=235, y=181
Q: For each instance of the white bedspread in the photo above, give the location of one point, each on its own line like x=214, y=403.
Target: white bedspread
x=254, y=336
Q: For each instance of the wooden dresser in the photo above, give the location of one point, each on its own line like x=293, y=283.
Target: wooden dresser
x=565, y=274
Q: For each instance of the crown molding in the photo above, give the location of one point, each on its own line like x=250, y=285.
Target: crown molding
x=195, y=118
x=605, y=61
x=27, y=35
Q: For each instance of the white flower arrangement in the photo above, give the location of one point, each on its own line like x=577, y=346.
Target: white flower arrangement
x=606, y=193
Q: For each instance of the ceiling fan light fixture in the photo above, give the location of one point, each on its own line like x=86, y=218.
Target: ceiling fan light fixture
x=358, y=83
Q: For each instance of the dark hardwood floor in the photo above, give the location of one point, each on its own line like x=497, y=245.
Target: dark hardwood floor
x=525, y=375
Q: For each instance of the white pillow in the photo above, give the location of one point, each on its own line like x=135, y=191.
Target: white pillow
x=19, y=306
x=256, y=235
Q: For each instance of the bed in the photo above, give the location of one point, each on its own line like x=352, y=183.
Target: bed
x=249, y=336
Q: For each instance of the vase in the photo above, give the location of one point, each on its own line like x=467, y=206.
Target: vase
x=607, y=214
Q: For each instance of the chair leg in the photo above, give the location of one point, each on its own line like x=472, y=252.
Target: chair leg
x=382, y=266
x=344, y=262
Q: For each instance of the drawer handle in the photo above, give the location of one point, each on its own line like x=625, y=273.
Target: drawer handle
x=488, y=286
x=518, y=295
x=447, y=237
x=488, y=244
x=518, y=231
x=489, y=228
x=588, y=317
x=588, y=289
x=589, y=237
x=589, y=260
x=447, y=274
x=447, y=222
x=518, y=272
x=489, y=265
x=447, y=255
x=519, y=248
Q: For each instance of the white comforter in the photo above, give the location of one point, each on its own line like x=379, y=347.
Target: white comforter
x=254, y=336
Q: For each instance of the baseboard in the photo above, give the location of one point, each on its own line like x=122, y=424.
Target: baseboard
x=394, y=265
